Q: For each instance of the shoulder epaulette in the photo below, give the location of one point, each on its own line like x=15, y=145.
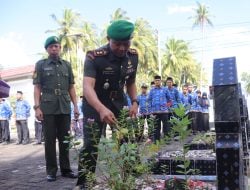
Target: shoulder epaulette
x=97, y=53
x=100, y=52
x=133, y=51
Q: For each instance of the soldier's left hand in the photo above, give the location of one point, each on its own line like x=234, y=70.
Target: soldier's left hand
x=76, y=113
x=133, y=110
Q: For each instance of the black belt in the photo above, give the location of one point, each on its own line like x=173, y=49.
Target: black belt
x=114, y=94
x=55, y=91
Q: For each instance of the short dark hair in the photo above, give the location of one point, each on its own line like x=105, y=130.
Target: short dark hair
x=185, y=86
x=170, y=78
x=144, y=85
x=152, y=83
x=19, y=92
x=157, y=77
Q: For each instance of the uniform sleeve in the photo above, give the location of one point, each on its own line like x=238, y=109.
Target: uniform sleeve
x=37, y=73
x=71, y=75
x=177, y=96
x=89, y=68
x=168, y=97
x=132, y=78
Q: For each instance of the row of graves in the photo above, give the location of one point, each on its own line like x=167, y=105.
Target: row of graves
x=224, y=161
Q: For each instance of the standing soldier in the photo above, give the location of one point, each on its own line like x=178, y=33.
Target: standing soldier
x=5, y=115
x=53, y=89
x=106, y=71
x=22, y=109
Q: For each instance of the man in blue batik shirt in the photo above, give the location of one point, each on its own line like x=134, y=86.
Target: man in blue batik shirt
x=160, y=102
x=173, y=92
x=144, y=106
x=22, y=113
x=174, y=97
x=186, y=98
x=5, y=115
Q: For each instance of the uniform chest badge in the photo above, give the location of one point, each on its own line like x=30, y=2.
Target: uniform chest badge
x=108, y=68
x=48, y=69
x=129, y=64
x=106, y=85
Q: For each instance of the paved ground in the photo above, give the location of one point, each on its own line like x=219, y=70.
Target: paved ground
x=22, y=167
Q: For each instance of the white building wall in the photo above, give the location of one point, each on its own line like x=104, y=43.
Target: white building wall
x=26, y=86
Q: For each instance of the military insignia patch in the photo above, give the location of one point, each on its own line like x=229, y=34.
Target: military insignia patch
x=108, y=68
x=129, y=64
x=34, y=75
x=100, y=52
x=133, y=51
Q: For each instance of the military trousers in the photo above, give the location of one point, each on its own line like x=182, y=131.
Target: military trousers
x=56, y=126
x=89, y=152
x=22, y=131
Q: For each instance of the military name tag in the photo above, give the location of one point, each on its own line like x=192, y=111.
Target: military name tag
x=108, y=71
x=48, y=69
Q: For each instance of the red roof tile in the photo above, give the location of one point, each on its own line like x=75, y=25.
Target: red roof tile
x=17, y=71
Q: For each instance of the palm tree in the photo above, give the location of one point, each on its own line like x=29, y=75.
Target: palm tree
x=201, y=19
x=77, y=37
x=245, y=77
x=68, y=26
x=145, y=41
x=119, y=14
x=178, y=61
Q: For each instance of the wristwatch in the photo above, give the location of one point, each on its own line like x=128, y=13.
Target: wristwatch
x=36, y=106
x=135, y=100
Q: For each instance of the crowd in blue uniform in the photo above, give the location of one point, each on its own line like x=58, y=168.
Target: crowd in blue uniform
x=158, y=101
x=20, y=111
x=161, y=100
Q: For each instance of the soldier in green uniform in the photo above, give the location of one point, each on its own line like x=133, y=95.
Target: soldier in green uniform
x=106, y=71
x=53, y=89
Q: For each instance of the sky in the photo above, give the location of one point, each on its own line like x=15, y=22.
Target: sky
x=23, y=24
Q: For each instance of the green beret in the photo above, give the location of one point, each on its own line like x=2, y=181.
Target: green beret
x=51, y=40
x=120, y=30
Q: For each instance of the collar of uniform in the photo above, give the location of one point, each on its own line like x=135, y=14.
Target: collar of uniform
x=113, y=57
x=49, y=61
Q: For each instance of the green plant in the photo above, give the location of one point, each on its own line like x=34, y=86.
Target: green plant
x=121, y=156
x=180, y=122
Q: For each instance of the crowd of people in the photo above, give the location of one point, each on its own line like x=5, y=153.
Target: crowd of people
x=161, y=100
x=20, y=112
x=108, y=70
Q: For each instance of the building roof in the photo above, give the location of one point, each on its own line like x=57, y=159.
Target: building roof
x=17, y=72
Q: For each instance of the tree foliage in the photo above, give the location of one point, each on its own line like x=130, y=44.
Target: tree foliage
x=79, y=36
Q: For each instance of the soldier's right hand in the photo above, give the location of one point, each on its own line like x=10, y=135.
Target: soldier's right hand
x=39, y=114
x=107, y=116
